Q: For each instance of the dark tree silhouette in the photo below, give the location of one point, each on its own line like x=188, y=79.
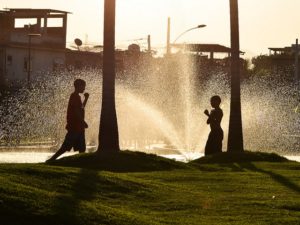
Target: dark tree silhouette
x=235, y=133
x=108, y=132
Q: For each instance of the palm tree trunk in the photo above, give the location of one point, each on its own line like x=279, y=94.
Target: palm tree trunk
x=108, y=132
x=235, y=134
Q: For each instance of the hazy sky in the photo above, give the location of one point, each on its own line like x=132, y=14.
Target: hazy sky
x=263, y=23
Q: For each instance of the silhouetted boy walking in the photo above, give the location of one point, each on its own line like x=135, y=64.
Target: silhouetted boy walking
x=75, y=137
x=215, y=137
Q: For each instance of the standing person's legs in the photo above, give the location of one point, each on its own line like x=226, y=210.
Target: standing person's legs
x=219, y=140
x=57, y=154
x=80, y=144
x=209, y=145
x=214, y=142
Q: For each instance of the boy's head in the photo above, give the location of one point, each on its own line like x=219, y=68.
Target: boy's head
x=79, y=85
x=215, y=101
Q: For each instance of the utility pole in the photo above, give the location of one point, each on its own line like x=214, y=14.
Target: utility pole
x=296, y=49
x=29, y=62
x=149, y=43
x=168, y=36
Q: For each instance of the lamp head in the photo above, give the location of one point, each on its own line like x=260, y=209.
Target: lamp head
x=201, y=26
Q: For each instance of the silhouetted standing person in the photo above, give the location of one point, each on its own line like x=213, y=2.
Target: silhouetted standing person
x=75, y=137
x=215, y=137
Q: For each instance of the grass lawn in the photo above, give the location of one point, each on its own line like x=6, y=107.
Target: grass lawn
x=151, y=190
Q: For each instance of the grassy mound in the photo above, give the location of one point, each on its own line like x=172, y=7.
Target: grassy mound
x=216, y=194
x=123, y=161
x=246, y=156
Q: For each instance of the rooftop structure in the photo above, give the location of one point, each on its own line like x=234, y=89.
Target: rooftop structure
x=17, y=23
x=31, y=41
x=205, y=48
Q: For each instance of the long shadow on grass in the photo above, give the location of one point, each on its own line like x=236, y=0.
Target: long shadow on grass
x=75, y=207
x=67, y=206
x=277, y=177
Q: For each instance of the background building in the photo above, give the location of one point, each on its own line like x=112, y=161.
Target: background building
x=31, y=41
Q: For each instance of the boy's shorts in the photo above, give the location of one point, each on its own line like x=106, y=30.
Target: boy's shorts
x=74, y=140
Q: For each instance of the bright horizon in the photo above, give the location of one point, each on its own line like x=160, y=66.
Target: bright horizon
x=263, y=24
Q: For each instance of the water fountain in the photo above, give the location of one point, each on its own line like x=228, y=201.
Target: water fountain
x=159, y=108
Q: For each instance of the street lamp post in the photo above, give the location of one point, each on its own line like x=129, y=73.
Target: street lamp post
x=193, y=28
x=29, y=56
x=296, y=50
x=168, y=35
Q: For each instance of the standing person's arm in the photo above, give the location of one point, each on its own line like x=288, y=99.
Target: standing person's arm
x=206, y=112
x=77, y=109
x=86, y=97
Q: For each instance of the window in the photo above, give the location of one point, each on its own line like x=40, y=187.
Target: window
x=21, y=23
x=53, y=22
x=9, y=60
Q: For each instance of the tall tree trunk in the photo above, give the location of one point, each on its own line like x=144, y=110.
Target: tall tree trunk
x=235, y=134
x=108, y=132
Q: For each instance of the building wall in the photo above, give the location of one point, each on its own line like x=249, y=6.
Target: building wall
x=48, y=42
x=2, y=68
x=41, y=60
x=83, y=59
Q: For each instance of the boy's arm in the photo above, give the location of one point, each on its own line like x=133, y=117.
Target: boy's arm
x=207, y=113
x=86, y=97
x=208, y=120
x=80, y=118
x=74, y=104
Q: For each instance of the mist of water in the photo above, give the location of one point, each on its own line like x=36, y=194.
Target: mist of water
x=158, y=102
